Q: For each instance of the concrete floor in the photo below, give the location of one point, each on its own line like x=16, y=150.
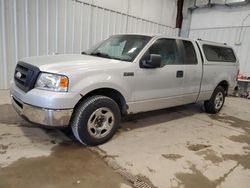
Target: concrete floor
x=177, y=147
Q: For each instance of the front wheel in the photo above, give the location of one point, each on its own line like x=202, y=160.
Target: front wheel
x=95, y=120
x=216, y=102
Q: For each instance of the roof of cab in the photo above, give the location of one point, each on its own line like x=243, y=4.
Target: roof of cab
x=153, y=35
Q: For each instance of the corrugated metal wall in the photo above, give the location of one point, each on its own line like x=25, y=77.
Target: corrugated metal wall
x=229, y=25
x=39, y=27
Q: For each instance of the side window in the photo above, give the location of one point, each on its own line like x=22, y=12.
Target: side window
x=190, y=54
x=167, y=48
x=217, y=53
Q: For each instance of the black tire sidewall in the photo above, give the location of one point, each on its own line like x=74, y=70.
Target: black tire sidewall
x=84, y=115
x=210, y=104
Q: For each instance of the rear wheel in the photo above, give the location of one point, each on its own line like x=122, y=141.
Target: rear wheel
x=95, y=120
x=216, y=102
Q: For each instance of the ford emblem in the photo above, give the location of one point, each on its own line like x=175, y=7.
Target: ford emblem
x=18, y=75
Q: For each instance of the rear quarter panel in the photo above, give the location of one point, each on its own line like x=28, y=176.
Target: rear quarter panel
x=215, y=73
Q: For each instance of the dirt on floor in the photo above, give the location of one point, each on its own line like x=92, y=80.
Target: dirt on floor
x=196, y=178
x=69, y=164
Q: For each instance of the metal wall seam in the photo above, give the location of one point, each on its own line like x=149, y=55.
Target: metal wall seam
x=65, y=26
x=81, y=27
x=108, y=21
x=26, y=28
x=102, y=20
x=15, y=30
x=89, y=26
x=4, y=47
x=47, y=26
x=73, y=28
x=56, y=33
x=37, y=28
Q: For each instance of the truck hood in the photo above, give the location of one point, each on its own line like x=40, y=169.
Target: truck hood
x=66, y=63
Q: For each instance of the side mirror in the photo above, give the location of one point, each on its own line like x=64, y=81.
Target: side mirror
x=154, y=61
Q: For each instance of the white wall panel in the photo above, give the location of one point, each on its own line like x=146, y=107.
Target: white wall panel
x=32, y=28
x=168, y=12
x=219, y=16
x=20, y=28
x=52, y=21
x=226, y=25
x=41, y=27
x=117, y=5
x=61, y=26
x=10, y=38
x=42, y=24
x=86, y=32
x=3, y=68
x=78, y=18
x=243, y=51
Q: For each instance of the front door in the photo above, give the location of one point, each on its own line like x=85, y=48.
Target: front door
x=162, y=87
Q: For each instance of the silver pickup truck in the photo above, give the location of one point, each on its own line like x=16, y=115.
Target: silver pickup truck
x=124, y=74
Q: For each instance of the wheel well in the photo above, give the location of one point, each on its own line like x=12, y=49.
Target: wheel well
x=111, y=93
x=224, y=84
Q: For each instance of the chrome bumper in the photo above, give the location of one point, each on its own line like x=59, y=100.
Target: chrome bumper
x=42, y=116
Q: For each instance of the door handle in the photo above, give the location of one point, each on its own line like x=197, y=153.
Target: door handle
x=179, y=74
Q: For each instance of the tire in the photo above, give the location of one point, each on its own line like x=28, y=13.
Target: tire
x=216, y=102
x=95, y=120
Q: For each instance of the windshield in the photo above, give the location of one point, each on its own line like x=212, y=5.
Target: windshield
x=120, y=47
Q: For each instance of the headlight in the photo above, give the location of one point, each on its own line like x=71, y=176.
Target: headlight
x=52, y=82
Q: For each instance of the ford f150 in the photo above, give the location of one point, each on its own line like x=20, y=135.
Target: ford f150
x=124, y=74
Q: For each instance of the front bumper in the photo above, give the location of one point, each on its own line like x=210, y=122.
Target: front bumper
x=42, y=116
x=44, y=107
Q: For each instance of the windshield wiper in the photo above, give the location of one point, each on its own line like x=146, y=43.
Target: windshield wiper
x=99, y=54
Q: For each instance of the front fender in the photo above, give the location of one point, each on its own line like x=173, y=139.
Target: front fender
x=103, y=80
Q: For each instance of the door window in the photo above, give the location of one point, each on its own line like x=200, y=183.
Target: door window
x=190, y=54
x=167, y=49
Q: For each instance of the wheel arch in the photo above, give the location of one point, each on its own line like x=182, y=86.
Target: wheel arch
x=108, y=92
x=224, y=84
